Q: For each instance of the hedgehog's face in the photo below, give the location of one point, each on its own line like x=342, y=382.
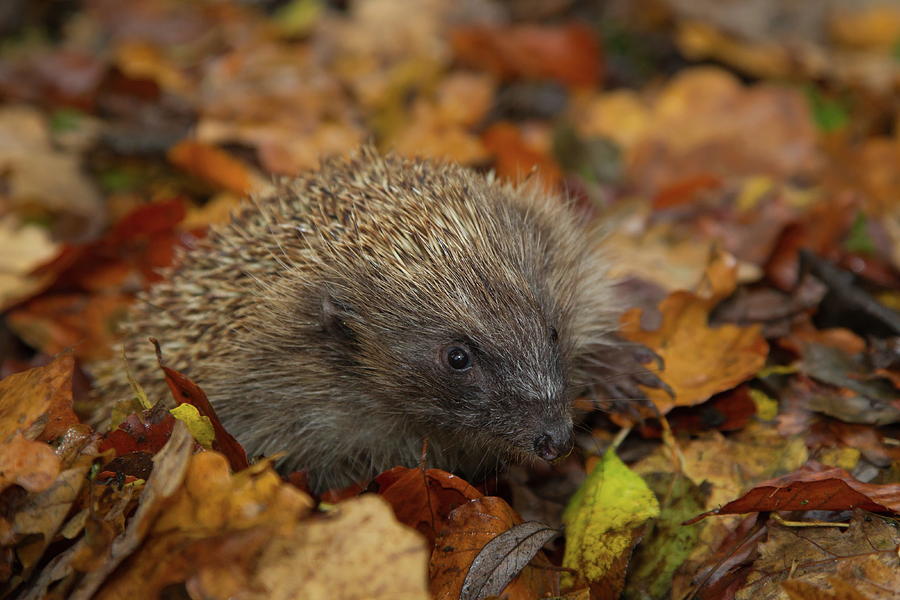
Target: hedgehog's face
x=510, y=392
x=486, y=371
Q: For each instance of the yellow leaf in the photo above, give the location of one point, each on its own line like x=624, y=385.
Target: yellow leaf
x=200, y=426
x=766, y=406
x=604, y=521
x=298, y=17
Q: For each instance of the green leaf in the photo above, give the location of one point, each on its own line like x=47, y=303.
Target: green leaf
x=668, y=544
x=858, y=239
x=603, y=521
x=298, y=17
x=829, y=114
x=65, y=119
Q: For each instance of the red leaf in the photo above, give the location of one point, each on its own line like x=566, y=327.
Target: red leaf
x=144, y=240
x=684, y=191
x=728, y=411
x=148, y=432
x=186, y=391
x=814, y=487
x=569, y=54
x=424, y=498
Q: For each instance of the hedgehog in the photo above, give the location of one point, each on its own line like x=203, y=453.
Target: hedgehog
x=356, y=314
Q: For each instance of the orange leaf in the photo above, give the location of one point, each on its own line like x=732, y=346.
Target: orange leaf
x=515, y=159
x=32, y=465
x=31, y=402
x=85, y=324
x=699, y=360
x=470, y=528
x=212, y=164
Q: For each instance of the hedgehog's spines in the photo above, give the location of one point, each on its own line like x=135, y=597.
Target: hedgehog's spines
x=412, y=256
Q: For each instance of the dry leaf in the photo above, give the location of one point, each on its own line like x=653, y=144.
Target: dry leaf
x=22, y=249
x=569, y=54
x=864, y=554
x=815, y=487
x=214, y=165
x=699, y=360
x=422, y=498
x=357, y=551
x=471, y=528
x=170, y=466
x=503, y=558
x=31, y=402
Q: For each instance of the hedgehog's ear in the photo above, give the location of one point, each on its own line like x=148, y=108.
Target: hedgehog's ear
x=334, y=317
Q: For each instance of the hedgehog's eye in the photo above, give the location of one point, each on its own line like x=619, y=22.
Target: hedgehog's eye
x=554, y=335
x=458, y=358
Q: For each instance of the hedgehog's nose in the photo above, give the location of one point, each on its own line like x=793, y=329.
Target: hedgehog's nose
x=554, y=444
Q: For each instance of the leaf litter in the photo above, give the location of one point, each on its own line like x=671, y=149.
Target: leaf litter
x=751, y=207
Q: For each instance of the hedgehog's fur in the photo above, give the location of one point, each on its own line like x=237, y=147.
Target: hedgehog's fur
x=316, y=320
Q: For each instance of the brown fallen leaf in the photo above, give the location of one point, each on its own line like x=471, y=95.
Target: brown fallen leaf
x=569, y=54
x=37, y=521
x=23, y=247
x=503, y=558
x=32, y=465
x=170, y=467
x=82, y=323
x=704, y=124
x=814, y=487
x=440, y=127
x=471, y=528
x=422, y=498
x=32, y=402
x=516, y=159
x=728, y=411
x=212, y=504
x=358, y=551
x=864, y=555
x=44, y=179
x=699, y=360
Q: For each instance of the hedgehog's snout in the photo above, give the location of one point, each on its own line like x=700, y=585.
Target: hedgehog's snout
x=555, y=443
